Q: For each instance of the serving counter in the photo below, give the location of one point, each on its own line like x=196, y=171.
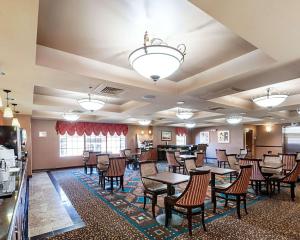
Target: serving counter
x=14, y=209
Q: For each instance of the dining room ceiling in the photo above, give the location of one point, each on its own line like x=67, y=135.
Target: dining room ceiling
x=54, y=50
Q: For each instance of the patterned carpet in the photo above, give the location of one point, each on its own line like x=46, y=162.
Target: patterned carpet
x=108, y=215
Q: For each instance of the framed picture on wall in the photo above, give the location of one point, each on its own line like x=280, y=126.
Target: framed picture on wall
x=166, y=135
x=223, y=136
x=204, y=137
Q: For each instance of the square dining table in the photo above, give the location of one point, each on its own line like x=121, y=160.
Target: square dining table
x=213, y=172
x=170, y=179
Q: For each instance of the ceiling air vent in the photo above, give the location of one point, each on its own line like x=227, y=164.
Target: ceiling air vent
x=107, y=90
x=77, y=111
x=216, y=109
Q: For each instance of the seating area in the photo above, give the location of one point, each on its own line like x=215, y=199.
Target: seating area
x=130, y=119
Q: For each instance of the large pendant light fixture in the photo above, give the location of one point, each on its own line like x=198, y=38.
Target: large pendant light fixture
x=190, y=125
x=72, y=117
x=156, y=60
x=8, y=113
x=15, y=122
x=144, y=122
x=90, y=103
x=270, y=100
x=234, y=119
x=184, y=114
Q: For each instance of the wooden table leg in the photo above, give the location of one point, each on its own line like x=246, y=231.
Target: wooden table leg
x=212, y=185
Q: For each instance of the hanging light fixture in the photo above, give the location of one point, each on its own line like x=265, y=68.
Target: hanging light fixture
x=8, y=113
x=144, y=122
x=156, y=60
x=184, y=114
x=190, y=125
x=15, y=122
x=90, y=103
x=270, y=100
x=71, y=117
x=234, y=119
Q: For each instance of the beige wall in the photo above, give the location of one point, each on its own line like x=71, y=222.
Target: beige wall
x=25, y=122
x=269, y=141
x=236, y=139
x=45, y=150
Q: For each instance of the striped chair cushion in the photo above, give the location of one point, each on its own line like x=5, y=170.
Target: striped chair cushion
x=171, y=159
x=116, y=167
x=240, y=186
x=272, y=159
x=293, y=175
x=196, y=190
x=221, y=155
x=256, y=174
x=190, y=164
x=199, y=160
x=233, y=162
x=289, y=161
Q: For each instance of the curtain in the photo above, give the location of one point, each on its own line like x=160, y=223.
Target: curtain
x=181, y=131
x=89, y=128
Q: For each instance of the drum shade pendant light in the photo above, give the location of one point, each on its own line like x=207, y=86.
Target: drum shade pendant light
x=15, y=122
x=270, y=100
x=144, y=122
x=190, y=125
x=90, y=103
x=8, y=113
x=234, y=119
x=184, y=114
x=156, y=60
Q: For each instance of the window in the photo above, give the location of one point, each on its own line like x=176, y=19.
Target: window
x=71, y=145
x=180, y=140
x=95, y=143
x=115, y=143
x=75, y=145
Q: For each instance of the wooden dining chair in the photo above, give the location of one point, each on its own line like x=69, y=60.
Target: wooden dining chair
x=191, y=201
x=237, y=189
x=173, y=163
x=115, y=170
x=257, y=178
x=189, y=165
x=102, y=165
x=151, y=188
x=233, y=164
x=288, y=161
x=290, y=178
x=200, y=159
x=85, y=159
x=221, y=157
x=271, y=159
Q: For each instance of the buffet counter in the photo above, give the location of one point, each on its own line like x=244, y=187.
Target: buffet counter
x=14, y=209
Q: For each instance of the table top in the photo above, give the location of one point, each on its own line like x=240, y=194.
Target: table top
x=271, y=165
x=216, y=170
x=186, y=156
x=169, y=178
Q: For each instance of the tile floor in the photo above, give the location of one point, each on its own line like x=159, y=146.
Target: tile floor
x=46, y=210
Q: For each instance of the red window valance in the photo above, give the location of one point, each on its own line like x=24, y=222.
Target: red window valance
x=88, y=128
x=181, y=131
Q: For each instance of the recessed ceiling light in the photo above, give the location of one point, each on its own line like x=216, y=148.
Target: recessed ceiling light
x=180, y=102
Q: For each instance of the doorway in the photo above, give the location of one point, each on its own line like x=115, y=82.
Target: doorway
x=248, y=136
